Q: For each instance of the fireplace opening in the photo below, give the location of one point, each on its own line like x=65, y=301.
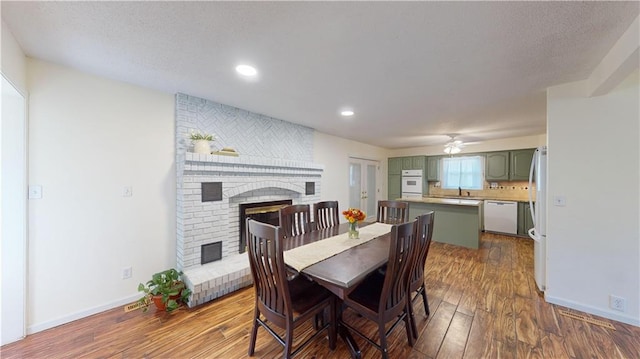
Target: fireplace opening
x=210, y=252
x=266, y=212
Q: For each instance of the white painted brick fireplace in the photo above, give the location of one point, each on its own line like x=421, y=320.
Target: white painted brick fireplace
x=274, y=166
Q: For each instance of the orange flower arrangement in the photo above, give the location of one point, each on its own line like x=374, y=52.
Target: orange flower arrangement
x=354, y=215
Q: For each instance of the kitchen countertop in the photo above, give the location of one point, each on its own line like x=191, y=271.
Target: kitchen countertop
x=483, y=198
x=450, y=201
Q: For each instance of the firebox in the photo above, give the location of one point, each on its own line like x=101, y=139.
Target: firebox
x=266, y=212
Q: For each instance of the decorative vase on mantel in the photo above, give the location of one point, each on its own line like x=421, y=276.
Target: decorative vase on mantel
x=202, y=146
x=354, y=230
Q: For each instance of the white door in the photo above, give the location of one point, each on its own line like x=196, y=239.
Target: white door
x=13, y=213
x=363, y=185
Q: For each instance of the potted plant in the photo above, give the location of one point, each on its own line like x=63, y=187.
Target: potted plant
x=201, y=142
x=166, y=290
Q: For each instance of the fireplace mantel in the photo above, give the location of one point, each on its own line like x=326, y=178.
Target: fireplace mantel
x=196, y=162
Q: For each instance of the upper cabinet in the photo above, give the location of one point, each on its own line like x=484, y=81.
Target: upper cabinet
x=417, y=162
x=497, y=166
x=520, y=164
x=433, y=168
x=395, y=165
x=508, y=165
x=413, y=163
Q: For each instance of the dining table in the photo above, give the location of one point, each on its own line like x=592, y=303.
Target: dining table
x=328, y=257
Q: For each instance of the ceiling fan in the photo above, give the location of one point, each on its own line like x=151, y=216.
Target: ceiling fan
x=454, y=146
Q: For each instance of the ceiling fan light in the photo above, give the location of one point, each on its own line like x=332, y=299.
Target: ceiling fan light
x=454, y=146
x=451, y=149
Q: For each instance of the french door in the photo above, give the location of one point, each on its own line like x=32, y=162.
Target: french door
x=363, y=185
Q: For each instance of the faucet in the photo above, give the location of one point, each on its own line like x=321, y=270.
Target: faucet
x=459, y=192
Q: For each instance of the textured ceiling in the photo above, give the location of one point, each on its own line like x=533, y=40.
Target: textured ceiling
x=412, y=71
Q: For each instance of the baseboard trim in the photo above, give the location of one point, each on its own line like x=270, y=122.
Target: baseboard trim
x=593, y=310
x=38, y=327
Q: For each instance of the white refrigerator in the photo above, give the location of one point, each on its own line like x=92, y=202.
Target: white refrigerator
x=538, y=233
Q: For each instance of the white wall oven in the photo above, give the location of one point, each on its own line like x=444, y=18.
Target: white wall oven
x=412, y=184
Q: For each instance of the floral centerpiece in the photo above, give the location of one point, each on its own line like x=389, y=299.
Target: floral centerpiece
x=354, y=215
x=201, y=141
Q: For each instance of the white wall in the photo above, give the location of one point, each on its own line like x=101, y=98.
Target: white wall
x=13, y=180
x=13, y=60
x=89, y=138
x=593, y=242
x=334, y=153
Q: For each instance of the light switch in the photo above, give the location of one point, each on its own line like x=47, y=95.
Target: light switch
x=35, y=192
x=559, y=201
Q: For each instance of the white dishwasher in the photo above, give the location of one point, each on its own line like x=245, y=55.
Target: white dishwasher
x=501, y=216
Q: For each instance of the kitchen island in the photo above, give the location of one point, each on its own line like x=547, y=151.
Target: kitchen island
x=456, y=221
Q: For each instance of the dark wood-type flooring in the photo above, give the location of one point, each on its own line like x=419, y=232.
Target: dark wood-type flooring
x=484, y=304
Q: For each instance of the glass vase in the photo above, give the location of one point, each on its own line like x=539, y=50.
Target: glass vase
x=354, y=233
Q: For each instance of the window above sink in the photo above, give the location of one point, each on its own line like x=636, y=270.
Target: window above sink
x=463, y=173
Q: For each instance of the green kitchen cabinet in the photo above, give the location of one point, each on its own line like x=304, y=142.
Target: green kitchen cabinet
x=508, y=165
x=394, y=177
x=519, y=164
x=417, y=163
x=413, y=162
x=394, y=187
x=406, y=163
x=525, y=221
x=497, y=166
x=394, y=172
x=433, y=168
x=395, y=165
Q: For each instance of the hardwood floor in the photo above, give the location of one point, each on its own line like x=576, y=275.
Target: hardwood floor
x=484, y=304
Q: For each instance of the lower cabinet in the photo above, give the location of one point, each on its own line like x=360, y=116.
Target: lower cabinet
x=525, y=221
x=394, y=187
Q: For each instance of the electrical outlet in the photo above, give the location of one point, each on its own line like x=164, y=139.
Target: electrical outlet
x=127, y=191
x=559, y=201
x=127, y=272
x=617, y=303
x=35, y=192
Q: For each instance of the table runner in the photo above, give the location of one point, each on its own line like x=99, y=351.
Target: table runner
x=304, y=256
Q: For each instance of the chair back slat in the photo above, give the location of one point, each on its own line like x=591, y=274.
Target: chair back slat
x=402, y=246
x=264, y=244
x=393, y=212
x=295, y=219
x=325, y=214
x=424, y=232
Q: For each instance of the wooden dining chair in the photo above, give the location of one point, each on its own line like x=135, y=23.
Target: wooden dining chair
x=325, y=214
x=283, y=303
x=295, y=219
x=424, y=232
x=382, y=299
x=393, y=212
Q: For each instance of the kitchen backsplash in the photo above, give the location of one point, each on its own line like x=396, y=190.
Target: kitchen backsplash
x=514, y=191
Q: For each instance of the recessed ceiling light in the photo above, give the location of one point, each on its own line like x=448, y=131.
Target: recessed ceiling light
x=346, y=113
x=246, y=70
